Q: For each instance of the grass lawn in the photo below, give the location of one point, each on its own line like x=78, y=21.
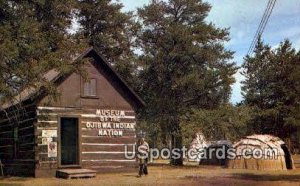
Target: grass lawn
x=163, y=174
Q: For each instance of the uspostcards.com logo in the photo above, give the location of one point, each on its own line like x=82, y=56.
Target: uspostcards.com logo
x=201, y=153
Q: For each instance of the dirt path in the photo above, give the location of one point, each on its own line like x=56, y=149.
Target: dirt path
x=166, y=175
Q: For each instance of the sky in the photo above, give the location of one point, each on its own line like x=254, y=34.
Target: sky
x=243, y=18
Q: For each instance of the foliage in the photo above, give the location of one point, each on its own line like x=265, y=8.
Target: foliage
x=111, y=32
x=34, y=39
x=153, y=133
x=272, y=88
x=224, y=123
x=185, y=63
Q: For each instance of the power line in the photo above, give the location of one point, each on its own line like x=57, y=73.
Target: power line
x=262, y=24
x=262, y=21
x=268, y=16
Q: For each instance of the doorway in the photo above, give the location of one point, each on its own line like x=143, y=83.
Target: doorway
x=287, y=157
x=69, y=141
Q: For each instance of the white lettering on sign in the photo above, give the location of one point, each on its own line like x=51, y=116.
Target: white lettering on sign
x=110, y=115
x=109, y=123
x=101, y=112
x=110, y=132
x=103, y=125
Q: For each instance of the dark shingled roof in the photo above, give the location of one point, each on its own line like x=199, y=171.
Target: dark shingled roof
x=54, y=75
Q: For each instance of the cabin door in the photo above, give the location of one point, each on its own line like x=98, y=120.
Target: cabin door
x=69, y=142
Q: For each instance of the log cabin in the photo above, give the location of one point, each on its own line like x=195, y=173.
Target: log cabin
x=87, y=127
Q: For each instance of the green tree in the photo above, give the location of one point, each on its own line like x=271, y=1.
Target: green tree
x=185, y=63
x=110, y=31
x=272, y=88
x=227, y=122
x=33, y=40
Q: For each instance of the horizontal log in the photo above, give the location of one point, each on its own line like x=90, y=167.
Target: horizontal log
x=19, y=169
x=129, y=153
x=115, y=140
x=24, y=145
x=45, y=124
x=6, y=156
x=8, y=150
x=20, y=107
x=40, y=129
x=54, y=120
x=115, y=170
x=26, y=130
x=18, y=116
x=93, y=147
x=88, y=163
x=5, y=146
x=18, y=165
x=6, y=127
x=27, y=121
x=47, y=162
x=84, y=117
x=56, y=109
x=26, y=148
x=47, y=117
x=8, y=134
x=105, y=167
x=54, y=123
x=26, y=139
x=62, y=110
x=6, y=141
x=109, y=160
x=88, y=148
x=103, y=156
x=46, y=165
x=27, y=135
x=26, y=154
x=22, y=125
x=108, y=144
x=95, y=132
x=20, y=160
x=44, y=157
x=47, y=121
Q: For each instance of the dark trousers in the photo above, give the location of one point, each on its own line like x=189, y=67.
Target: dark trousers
x=143, y=168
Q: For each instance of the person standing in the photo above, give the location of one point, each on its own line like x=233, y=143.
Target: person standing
x=142, y=156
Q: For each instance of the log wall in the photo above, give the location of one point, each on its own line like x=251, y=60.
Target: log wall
x=17, y=140
x=101, y=153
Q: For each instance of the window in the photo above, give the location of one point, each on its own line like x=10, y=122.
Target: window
x=90, y=88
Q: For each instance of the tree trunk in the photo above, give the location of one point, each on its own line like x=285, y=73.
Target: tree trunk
x=176, y=144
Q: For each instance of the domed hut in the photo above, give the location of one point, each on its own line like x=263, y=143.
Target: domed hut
x=216, y=153
x=261, y=152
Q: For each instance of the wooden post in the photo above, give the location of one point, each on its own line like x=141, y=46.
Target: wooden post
x=1, y=167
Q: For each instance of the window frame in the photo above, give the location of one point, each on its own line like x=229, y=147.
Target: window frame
x=83, y=91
